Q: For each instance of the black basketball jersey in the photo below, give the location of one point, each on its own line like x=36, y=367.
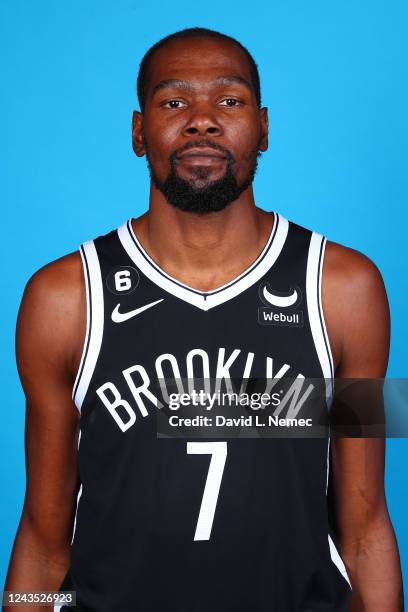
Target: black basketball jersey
x=220, y=524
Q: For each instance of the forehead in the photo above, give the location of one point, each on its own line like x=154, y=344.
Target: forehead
x=197, y=59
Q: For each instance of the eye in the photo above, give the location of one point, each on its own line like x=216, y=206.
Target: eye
x=230, y=102
x=173, y=104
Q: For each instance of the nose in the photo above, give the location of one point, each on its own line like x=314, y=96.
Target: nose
x=202, y=122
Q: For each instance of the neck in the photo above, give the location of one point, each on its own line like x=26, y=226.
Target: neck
x=203, y=250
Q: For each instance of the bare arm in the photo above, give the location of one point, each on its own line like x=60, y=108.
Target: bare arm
x=50, y=331
x=355, y=301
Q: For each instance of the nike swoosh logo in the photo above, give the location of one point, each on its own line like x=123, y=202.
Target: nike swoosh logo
x=120, y=317
x=281, y=301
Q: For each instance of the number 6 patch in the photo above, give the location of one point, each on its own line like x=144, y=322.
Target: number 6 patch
x=122, y=280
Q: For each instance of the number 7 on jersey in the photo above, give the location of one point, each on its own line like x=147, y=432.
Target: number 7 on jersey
x=218, y=450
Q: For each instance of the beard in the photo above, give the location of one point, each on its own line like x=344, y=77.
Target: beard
x=198, y=194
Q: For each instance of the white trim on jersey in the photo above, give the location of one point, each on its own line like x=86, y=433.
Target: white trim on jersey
x=314, y=274
x=94, y=323
x=200, y=299
x=78, y=495
x=337, y=560
x=315, y=309
x=88, y=317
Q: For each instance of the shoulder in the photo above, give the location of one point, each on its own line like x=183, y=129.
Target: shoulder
x=52, y=316
x=55, y=290
x=61, y=276
x=351, y=272
x=355, y=307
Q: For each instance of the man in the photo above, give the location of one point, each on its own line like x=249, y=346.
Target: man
x=204, y=284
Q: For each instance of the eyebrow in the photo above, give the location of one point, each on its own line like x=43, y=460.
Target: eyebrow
x=183, y=84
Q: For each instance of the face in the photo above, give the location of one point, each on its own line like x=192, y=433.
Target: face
x=201, y=129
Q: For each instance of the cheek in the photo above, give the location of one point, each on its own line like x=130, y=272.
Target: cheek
x=160, y=140
x=246, y=138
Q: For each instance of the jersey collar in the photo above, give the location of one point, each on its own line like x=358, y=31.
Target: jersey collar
x=208, y=299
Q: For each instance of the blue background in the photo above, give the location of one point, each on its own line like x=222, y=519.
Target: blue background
x=334, y=78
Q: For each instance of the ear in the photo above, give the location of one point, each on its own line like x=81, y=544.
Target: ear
x=137, y=134
x=263, y=141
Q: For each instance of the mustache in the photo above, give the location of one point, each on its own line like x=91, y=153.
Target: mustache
x=194, y=144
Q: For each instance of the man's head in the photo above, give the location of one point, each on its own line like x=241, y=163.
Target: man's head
x=200, y=126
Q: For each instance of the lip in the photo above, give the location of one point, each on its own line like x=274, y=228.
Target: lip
x=201, y=152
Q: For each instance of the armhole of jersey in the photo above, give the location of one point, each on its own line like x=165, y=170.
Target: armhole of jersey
x=314, y=275
x=94, y=321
